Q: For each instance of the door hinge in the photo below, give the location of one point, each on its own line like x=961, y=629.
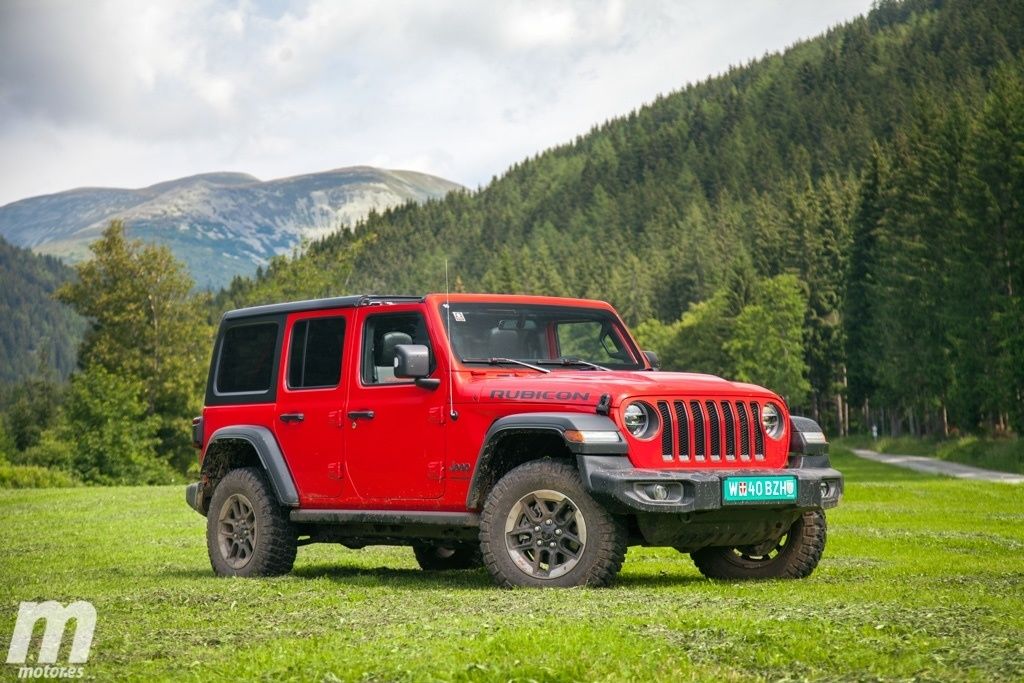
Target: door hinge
x=435, y=470
x=334, y=471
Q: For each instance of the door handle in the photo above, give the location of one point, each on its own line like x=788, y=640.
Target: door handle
x=292, y=417
x=360, y=414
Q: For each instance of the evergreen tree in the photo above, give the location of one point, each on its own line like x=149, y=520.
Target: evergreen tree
x=912, y=314
x=862, y=350
x=34, y=325
x=146, y=324
x=767, y=346
x=32, y=406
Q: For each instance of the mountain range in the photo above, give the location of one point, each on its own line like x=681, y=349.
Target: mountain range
x=220, y=224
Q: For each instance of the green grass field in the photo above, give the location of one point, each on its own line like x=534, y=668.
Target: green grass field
x=923, y=578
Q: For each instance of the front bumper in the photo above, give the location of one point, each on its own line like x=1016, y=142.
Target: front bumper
x=623, y=488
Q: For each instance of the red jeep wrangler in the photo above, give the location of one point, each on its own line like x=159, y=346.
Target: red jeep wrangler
x=527, y=434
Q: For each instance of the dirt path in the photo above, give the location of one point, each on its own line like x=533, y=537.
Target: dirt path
x=921, y=463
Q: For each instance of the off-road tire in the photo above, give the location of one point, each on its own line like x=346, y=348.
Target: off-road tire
x=796, y=557
x=599, y=558
x=274, y=539
x=446, y=557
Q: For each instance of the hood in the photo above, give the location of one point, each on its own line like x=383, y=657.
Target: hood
x=587, y=386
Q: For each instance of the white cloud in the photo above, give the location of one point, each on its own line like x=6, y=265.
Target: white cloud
x=118, y=92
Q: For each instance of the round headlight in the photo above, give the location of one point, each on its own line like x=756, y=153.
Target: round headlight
x=771, y=420
x=639, y=419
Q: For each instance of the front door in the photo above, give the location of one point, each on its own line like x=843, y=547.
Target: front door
x=395, y=436
x=310, y=423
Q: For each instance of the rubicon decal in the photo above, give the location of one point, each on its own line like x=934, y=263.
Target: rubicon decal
x=528, y=395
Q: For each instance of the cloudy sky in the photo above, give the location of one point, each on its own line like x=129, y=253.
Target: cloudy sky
x=128, y=93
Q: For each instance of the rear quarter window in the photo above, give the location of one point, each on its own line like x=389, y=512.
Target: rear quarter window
x=246, y=363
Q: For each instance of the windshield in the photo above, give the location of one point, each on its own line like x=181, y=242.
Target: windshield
x=554, y=337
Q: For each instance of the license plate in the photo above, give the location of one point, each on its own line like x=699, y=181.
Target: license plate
x=746, y=489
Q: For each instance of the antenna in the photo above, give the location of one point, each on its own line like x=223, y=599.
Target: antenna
x=451, y=347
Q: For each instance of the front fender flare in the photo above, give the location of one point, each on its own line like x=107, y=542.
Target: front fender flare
x=269, y=453
x=533, y=423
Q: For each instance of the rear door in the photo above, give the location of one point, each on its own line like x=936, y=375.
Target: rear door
x=395, y=437
x=310, y=400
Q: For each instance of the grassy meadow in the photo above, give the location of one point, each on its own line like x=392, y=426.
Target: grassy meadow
x=923, y=578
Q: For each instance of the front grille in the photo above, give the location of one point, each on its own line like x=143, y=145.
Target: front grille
x=683, y=423
x=699, y=450
x=716, y=431
x=755, y=415
x=666, y=431
x=741, y=410
x=701, y=430
x=730, y=431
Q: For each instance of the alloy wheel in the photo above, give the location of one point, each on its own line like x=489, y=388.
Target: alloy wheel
x=236, y=530
x=545, y=534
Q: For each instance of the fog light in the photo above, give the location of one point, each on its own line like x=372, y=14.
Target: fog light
x=659, y=492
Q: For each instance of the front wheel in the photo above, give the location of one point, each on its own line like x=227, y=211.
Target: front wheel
x=793, y=556
x=540, y=528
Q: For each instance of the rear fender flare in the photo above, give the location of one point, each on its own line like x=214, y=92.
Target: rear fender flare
x=269, y=453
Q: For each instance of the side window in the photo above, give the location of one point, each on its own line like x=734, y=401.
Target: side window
x=314, y=358
x=246, y=362
x=381, y=334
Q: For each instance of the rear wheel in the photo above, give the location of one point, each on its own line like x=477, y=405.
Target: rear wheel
x=445, y=557
x=541, y=528
x=247, y=532
x=793, y=556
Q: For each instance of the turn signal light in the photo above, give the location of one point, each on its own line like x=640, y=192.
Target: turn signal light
x=576, y=436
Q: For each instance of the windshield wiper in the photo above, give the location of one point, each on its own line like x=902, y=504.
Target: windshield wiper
x=574, y=361
x=498, y=361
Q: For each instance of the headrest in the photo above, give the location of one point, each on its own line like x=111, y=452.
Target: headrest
x=505, y=343
x=388, y=344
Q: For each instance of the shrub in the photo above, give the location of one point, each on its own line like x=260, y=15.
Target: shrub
x=104, y=435
x=33, y=477
x=7, y=447
x=51, y=451
x=1005, y=455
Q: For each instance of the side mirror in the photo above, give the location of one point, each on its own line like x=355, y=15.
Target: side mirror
x=412, y=360
x=652, y=358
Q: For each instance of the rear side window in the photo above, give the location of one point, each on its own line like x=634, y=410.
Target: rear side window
x=314, y=359
x=247, y=359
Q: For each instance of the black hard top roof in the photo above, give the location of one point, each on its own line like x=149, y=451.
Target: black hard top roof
x=320, y=304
